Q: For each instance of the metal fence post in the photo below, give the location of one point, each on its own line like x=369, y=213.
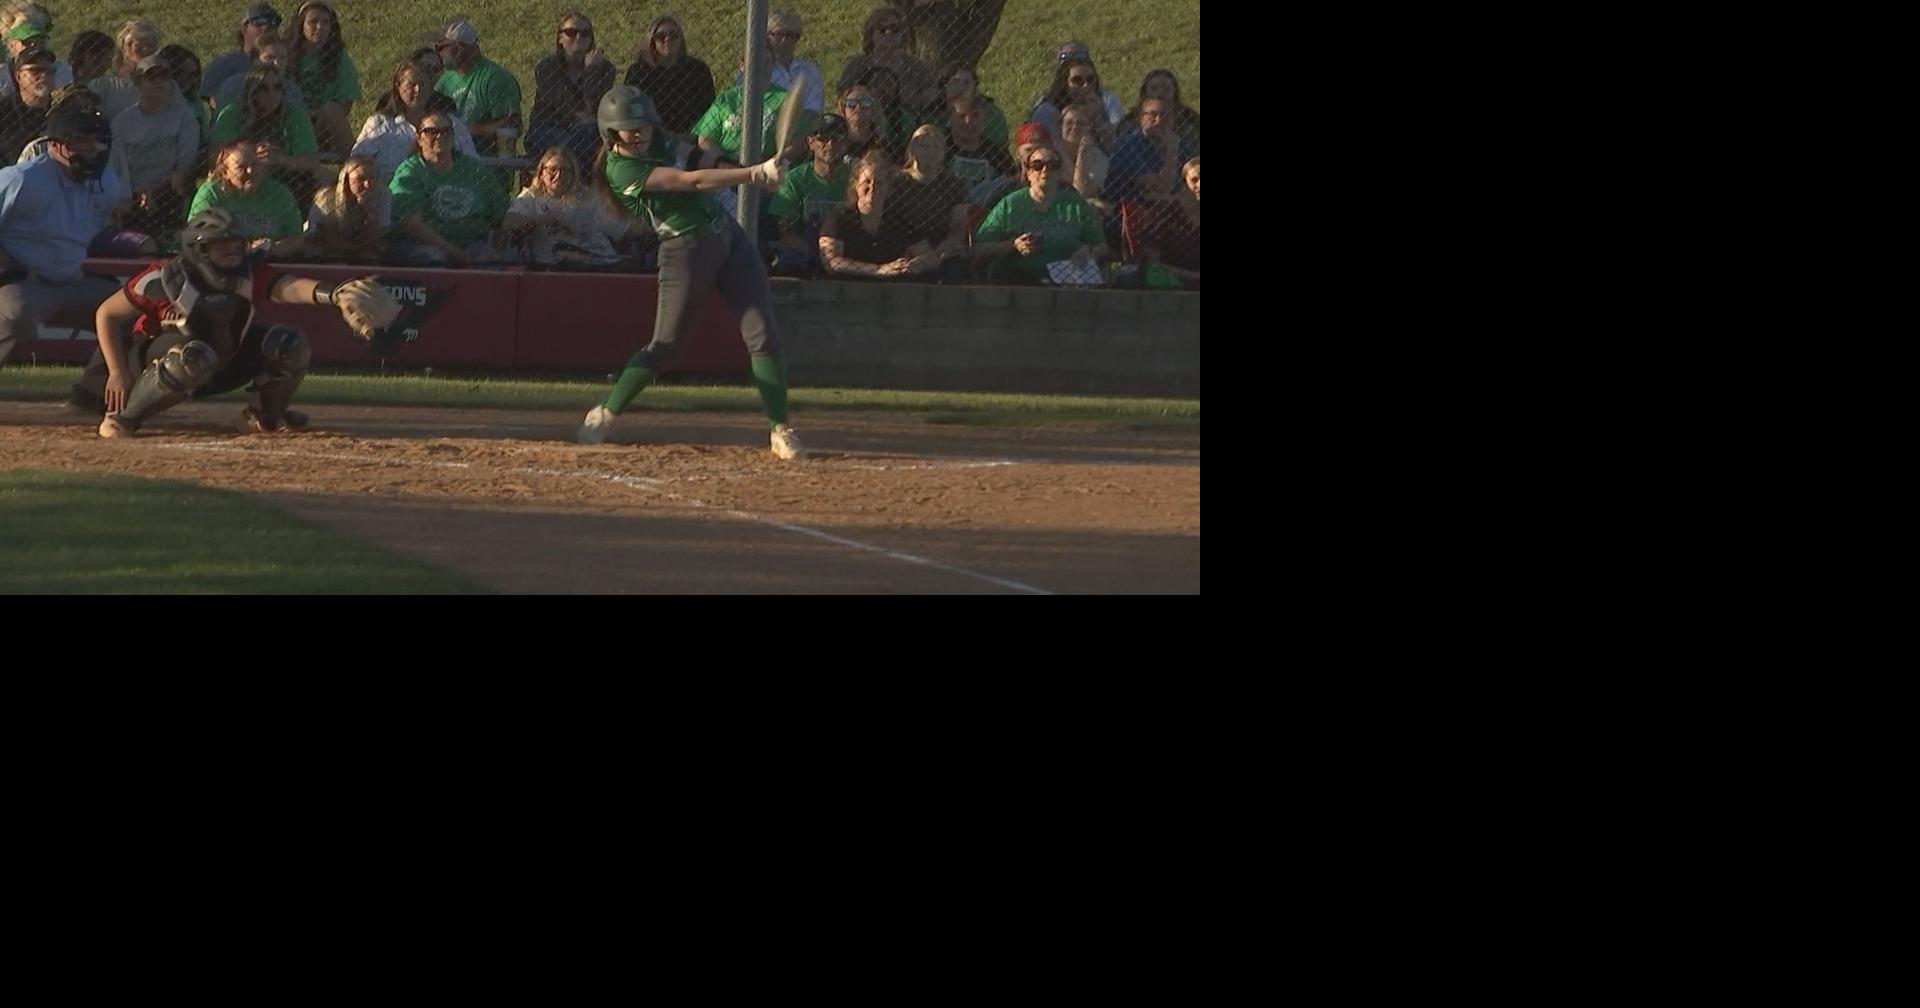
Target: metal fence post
x=747, y=207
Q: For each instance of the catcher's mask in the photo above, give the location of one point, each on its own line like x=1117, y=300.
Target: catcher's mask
x=206, y=228
x=625, y=107
x=72, y=124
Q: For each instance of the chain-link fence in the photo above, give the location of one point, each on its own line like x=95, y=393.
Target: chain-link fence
x=950, y=109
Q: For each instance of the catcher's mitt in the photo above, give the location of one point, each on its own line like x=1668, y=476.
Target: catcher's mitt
x=368, y=309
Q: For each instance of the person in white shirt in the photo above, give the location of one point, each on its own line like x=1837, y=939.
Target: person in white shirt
x=787, y=71
x=389, y=135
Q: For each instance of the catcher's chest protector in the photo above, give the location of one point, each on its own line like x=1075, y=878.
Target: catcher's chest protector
x=213, y=315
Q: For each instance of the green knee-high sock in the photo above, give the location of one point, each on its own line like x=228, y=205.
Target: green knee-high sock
x=770, y=377
x=638, y=375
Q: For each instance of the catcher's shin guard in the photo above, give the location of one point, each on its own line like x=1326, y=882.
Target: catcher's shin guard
x=285, y=353
x=168, y=381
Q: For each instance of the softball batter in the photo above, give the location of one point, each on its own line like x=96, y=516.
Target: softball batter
x=700, y=247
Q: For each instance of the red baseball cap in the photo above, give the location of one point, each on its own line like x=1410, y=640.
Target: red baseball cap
x=1032, y=132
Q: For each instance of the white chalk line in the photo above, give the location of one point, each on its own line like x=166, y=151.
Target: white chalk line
x=640, y=482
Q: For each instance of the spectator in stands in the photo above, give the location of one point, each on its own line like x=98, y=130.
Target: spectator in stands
x=959, y=80
x=447, y=205
x=23, y=110
x=567, y=85
x=1043, y=229
x=1169, y=233
x=973, y=159
x=564, y=222
x=863, y=239
x=262, y=208
x=883, y=42
x=184, y=67
x=50, y=208
x=349, y=219
x=90, y=55
x=259, y=22
x=1085, y=163
x=22, y=23
x=808, y=193
x=928, y=198
x=281, y=132
x=275, y=52
x=156, y=151
x=884, y=85
x=719, y=131
x=784, y=70
x=329, y=79
x=429, y=61
x=136, y=39
x=1074, y=49
x=1184, y=121
x=1146, y=163
x=680, y=84
x=866, y=128
x=1075, y=80
x=484, y=94
x=76, y=95
x=390, y=134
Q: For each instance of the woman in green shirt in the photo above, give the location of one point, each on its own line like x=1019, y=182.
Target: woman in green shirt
x=263, y=210
x=282, y=133
x=700, y=248
x=1046, y=224
x=327, y=75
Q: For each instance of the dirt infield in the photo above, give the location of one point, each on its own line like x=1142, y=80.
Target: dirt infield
x=693, y=502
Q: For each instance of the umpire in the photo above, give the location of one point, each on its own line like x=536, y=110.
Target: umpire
x=50, y=209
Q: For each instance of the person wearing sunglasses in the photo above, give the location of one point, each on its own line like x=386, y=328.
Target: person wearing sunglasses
x=883, y=43
x=866, y=126
x=680, y=84
x=23, y=111
x=392, y=133
x=259, y=21
x=484, y=93
x=24, y=23
x=1043, y=229
x=807, y=194
x=1075, y=80
x=567, y=85
x=328, y=77
x=282, y=132
x=447, y=207
x=701, y=251
x=784, y=69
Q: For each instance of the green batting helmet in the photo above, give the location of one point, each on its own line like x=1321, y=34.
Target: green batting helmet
x=626, y=107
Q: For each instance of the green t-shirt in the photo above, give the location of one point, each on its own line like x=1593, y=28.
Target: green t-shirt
x=806, y=196
x=1063, y=227
x=345, y=86
x=464, y=203
x=296, y=130
x=481, y=95
x=267, y=212
x=671, y=213
x=721, y=122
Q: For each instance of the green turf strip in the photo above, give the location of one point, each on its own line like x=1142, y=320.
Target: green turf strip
x=69, y=533
x=18, y=381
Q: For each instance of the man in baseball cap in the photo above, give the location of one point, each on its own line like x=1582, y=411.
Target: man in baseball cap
x=31, y=32
x=484, y=93
x=807, y=194
x=23, y=111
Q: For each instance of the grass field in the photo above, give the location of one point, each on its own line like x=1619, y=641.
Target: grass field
x=1126, y=41
x=482, y=392
x=96, y=534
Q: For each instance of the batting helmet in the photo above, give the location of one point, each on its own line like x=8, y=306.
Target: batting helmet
x=626, y=107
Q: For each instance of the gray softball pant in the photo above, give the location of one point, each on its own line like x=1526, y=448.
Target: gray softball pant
x=718, y=256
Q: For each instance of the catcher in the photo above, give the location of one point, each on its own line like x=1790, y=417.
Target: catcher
x=183, y=328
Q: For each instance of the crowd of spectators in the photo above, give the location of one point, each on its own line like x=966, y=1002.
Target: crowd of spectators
x=905, y=170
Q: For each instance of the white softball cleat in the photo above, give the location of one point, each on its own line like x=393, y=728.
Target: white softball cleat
x=786, y=443
x=595, y=428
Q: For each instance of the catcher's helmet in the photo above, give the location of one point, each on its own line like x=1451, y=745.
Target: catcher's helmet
x=211, y=225
x=626, y=107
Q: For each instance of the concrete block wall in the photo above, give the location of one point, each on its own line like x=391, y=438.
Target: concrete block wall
x=990, y=339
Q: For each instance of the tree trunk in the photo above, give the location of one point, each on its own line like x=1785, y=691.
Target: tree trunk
x=950, y=31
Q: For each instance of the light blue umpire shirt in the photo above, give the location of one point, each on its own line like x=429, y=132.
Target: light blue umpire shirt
x=47, y=220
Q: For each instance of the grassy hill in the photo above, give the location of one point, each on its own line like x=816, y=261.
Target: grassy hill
x=1127, y=41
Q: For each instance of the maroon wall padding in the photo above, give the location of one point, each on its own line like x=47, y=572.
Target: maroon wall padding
x=507, y=319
